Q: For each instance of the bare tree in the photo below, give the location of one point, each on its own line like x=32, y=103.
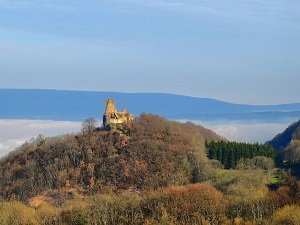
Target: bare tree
x=89, y=125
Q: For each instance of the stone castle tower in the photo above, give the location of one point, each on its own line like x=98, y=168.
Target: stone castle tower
x=112, y=118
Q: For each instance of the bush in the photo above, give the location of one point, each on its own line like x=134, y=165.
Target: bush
x=16, y=213
x=288, y=215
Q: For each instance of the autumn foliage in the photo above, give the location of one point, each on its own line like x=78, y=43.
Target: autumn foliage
x=155, y=153
x=154, y=172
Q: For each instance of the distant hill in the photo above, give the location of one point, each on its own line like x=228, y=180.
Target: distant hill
x=151, y=154
x=79, y=105
x=282, y=140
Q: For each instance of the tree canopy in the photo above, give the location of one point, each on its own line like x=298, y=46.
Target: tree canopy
x=154, y=153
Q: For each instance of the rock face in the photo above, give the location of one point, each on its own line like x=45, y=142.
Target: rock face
x=112, y=118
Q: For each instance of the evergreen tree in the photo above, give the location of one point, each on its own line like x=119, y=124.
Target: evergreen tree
x=229, y=153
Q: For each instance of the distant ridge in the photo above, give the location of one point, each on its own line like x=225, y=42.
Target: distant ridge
x=282, y=140
x=78, y=105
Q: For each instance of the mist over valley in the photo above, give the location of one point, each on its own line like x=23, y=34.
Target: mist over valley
x=25, y=114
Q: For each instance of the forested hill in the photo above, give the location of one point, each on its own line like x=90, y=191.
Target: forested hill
x=282, y=140
x=79, y=105
x=152, y=153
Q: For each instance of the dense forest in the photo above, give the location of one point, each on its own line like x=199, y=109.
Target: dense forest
x=230, y=153
x=155, y=153
x=153, y=171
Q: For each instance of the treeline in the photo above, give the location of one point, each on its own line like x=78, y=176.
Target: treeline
x=230, y=153
x=183, y=205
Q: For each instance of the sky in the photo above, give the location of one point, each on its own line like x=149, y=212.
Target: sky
x=236, y=51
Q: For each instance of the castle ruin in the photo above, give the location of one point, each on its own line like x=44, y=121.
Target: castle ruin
x=112, y=118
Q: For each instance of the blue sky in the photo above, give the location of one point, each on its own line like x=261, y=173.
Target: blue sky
x=237, y=51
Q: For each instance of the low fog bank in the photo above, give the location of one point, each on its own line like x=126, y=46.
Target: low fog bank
x=246, y=132
x=13, y=133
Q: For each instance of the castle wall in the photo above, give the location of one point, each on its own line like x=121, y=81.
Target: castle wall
x=112, y=117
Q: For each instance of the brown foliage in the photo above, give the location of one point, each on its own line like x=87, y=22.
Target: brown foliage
x=189, y=204
x=288, y=215
x=156, y=154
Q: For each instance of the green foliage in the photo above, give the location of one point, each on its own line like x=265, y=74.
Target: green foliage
x=240, y=183
x=275, y=177
x=74, y=217
x=229, y=153
x=79, y=220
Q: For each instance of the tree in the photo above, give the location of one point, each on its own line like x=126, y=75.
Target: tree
x=229, y=153
x=89, y=125
x=79, y=220
x=292, y=152
x=40, y=140
x=256, y=163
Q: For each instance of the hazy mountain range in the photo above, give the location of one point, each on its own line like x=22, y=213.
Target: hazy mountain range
x=79, y=105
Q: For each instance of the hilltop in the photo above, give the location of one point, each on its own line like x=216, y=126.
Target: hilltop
x=150, y=153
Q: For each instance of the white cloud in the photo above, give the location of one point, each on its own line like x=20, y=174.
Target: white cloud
x=240, y=131
x=15, y=132
x=7, y=146
x=248, y=132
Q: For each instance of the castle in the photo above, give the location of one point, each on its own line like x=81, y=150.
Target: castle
x=112, y=118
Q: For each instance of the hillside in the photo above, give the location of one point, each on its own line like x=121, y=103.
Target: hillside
x=282, y=140
x=154, y=153
x=287, y=144
x=153, y=171
x=79, y=105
